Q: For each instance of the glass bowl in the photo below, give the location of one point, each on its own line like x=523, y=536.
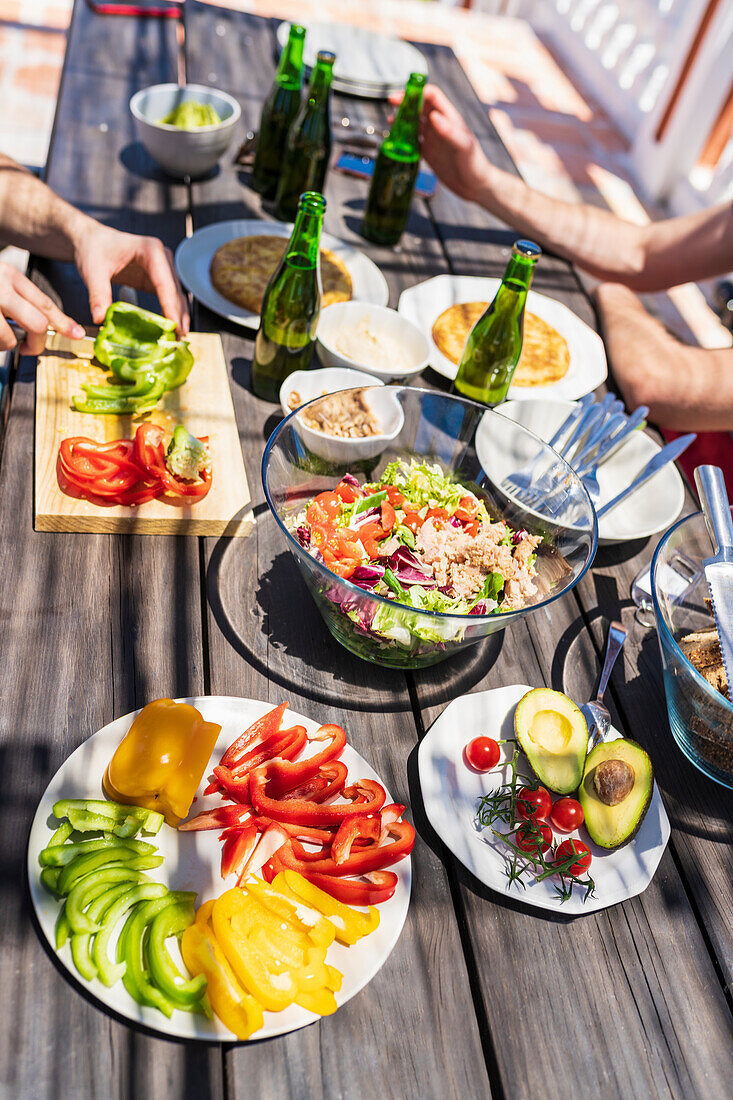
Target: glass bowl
x=498, y=459
x=700, y=717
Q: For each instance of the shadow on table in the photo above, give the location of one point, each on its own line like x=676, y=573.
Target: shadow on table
x=291, y=645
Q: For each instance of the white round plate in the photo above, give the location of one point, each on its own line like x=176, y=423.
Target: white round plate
x=194, y=256
x=652, y=508
x=192, y=862
x=424, y=303
x=451, y=791
x=366, y=63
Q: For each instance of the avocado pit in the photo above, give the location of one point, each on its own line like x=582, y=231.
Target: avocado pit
x=613, y=781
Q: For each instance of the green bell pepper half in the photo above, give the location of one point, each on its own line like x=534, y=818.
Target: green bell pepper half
x=111, y=972
x=173, y=921
x=131, y=332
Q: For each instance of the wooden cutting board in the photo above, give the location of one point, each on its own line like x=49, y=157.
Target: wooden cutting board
x=203, y=403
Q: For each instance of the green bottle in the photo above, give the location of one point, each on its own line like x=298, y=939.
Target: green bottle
x=395, y=172
x=494, y=344
x=308, y=147
x=278, y=111
x=292, y=304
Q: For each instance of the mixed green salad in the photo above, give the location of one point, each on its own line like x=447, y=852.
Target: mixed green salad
x=425, y=543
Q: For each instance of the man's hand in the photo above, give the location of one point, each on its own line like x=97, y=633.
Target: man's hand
x=21, y=301
x=105, y=256
x=450, y=148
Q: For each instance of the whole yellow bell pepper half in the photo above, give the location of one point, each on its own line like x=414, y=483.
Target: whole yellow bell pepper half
x=161, y=759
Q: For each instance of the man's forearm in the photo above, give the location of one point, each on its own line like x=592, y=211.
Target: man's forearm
x=33, y=217
x=686, y=388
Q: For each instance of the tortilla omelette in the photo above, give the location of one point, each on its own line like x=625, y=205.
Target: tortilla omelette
x=545, y=355
x=241, y=269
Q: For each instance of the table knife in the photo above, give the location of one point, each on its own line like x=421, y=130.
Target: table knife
x=668, y=453
x=718, y=569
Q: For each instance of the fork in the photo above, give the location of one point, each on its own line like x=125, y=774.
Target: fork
x=596, y=712
x=521, y=482
x=607, y=446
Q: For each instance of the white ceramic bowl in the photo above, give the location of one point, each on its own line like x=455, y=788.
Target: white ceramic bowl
x=379, y=319
x=315, y=383
x=183, y=152
x=382, y=400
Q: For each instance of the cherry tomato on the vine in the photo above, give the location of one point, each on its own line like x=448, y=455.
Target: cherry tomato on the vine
x=533, y=805
x=528, y=839
x=570, y=848
x=567, y=815
x=482, y=753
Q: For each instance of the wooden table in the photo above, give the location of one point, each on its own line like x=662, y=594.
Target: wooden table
x=481, y=996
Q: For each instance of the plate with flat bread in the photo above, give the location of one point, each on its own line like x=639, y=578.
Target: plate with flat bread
x=228, y=265
x=562, y=357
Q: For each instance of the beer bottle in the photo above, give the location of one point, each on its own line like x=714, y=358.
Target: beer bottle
x=292, y=304
x=308, y=147
x=278, y=111
x=395, y=172
x=494, y=344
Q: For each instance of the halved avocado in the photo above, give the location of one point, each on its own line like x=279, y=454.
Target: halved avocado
x=616, y=791
x=553, y=733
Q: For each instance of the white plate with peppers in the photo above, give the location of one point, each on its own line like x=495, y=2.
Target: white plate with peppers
x=192, y=861
x=460, y=802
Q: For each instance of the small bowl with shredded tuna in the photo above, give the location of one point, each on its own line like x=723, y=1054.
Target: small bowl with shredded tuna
x=351, y=425
x=420, y=551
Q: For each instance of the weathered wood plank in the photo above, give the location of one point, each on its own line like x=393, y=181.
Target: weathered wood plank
x=93, y=625
x=405, y=1018
x=633, y=968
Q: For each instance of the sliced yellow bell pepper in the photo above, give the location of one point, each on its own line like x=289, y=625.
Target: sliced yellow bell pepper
x=234, y=918
x=161, y=759
x=350, y=924
x=303, y=917
x=237, y=1010
x=321, y=1001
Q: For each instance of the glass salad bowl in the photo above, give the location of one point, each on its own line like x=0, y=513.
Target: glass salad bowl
x=700, y=717
x=520, y=479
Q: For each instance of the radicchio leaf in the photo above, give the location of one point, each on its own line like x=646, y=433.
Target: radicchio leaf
x=304, y=536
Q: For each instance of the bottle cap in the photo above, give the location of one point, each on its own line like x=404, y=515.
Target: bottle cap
x=296, y=31
x=326, y=57
x=527, y=248
x=418, y=80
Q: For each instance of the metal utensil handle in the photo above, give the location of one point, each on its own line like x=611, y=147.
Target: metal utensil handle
x=616, y=638
x=597, y=442
x=635, y=421
x=716, y=507
x=667, y=454
x=567, y=424
x=591, y=416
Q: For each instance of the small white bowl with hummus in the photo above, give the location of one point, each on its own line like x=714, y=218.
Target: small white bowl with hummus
x=371, y=338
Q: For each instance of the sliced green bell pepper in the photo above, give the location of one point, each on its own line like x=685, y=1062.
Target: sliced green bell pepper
x=173, y=921
x=110, y=972
x=91, y=887
x=136, y=978
x=150, y=820
x=61, y=835
x=84, y=865
x=61, y=855
x=81, y=942
x=50, y=878
x=63, y=929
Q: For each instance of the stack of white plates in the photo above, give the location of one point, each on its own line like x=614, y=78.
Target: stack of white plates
x=367, y=64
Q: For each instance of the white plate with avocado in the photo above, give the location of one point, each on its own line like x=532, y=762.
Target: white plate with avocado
x=451, y=791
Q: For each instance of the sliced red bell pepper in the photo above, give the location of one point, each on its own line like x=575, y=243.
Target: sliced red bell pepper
x=375, y=888
x=238, y=847
x=358, y=827
x=287, y=774
x=234, y=787
x=360, y=861
x=327, y=784
x=306, y=812
x=263, y=728
x=226, y=817
x=310, y=833
x=389, y=517
x=285, y=744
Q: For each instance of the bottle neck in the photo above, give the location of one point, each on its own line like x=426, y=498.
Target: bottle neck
x=404, y=133
x=306, y=237
x=518, y=274
x=320, y=85
x=290, y=69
